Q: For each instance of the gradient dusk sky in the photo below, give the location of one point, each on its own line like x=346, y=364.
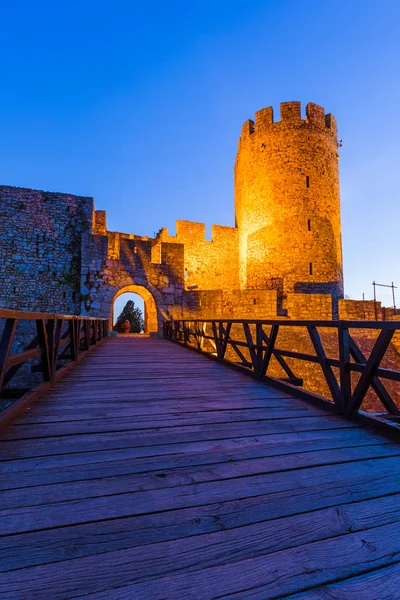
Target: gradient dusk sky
x=140, y=105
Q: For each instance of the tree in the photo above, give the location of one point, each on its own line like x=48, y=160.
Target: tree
x=133, y=315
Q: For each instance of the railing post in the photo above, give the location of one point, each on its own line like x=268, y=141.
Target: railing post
x=6, y=341
x=344, y=369
x=58, y=325
x=86, y=325
x=259, y=349
x=185, y=333
x=43, y=339
x=72, y=336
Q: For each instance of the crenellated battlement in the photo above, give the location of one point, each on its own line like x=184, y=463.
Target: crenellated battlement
x=192, y=232
x=290, y=115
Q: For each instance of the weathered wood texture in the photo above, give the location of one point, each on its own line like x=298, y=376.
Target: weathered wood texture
x=150, y=472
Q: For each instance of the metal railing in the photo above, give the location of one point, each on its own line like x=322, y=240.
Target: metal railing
x=253, y=344
x=56, y=342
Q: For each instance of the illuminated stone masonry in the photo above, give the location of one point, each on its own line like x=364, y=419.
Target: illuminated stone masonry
x=282, y=259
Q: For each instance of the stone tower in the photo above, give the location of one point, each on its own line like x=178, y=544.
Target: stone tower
x=287, y=205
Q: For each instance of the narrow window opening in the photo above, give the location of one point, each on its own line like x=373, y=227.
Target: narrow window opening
x=310, y=266
x=309, y=224
x=255, y=301
x=64, y=295
x=307, y=181
x=135, y=249
x=15, y=290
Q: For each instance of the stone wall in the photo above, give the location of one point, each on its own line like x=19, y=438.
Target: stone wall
x=209, y=265
x=40, y=248
x=309, y=306
x=221, y=304
x=54, y=264
x=360, y=310
x=102, y=278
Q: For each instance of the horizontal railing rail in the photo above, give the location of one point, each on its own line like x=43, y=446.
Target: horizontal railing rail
x=253, y=344
x=56, y=342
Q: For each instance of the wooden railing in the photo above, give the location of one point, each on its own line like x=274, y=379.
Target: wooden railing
x=56, y=342
x=253, y=344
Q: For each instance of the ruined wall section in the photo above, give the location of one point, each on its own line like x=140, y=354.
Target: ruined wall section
x=227, y=304
x=287, y=204
x=209, y=265
x=309, y=306
x=360, y=310
x=40, y=248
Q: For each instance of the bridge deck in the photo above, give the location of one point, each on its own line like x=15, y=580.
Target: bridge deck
x=152, y=473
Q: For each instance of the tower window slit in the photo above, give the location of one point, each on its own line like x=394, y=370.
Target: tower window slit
x=309, y=224
x=307, y=181
x=310, y=267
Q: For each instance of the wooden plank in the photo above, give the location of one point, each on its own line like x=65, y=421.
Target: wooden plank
x=196, y=493
x=156, y=473
x=245, y=524
x=378, y=584
x=129, y=422
x=10, y=449
x=125, y=462
x=275, y=444
x=189, y=409
x=151, y=576
x=18, y=359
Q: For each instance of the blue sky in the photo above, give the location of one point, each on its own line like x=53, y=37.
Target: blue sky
x=140, y=105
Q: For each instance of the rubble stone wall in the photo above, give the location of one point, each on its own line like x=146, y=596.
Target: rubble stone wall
x=40, y=249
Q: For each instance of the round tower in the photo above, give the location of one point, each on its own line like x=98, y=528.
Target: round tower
x=287, y=204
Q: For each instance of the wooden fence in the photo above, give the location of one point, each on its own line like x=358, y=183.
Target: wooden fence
x=57, y=342
x=348, y=376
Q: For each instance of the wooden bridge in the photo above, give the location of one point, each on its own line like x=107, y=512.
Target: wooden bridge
x=149, y=472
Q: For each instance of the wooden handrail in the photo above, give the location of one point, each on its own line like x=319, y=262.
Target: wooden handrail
x=6, y=313
x=58, y=342
x=255, y=343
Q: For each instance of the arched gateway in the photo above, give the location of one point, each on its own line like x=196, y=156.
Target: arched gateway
x=151, y=324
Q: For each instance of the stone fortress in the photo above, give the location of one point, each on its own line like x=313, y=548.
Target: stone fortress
x=283, y=259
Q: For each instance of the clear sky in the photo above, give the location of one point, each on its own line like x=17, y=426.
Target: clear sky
x=140, y=105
